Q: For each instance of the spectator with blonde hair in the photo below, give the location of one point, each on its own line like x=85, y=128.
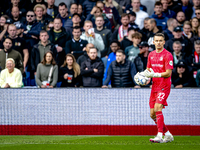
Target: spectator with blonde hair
x=11, y=77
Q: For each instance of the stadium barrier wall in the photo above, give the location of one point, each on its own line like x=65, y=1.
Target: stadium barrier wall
x=94, y=111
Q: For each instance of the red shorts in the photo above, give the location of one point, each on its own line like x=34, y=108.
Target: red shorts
x=159, y=97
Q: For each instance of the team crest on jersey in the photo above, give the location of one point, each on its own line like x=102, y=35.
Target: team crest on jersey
x=171, y=63
x=161, y=58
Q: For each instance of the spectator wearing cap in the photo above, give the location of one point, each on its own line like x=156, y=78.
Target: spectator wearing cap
x=187, y=9
x=52, y=10
x=16, y=3
x=19, y=44
x=111, y=13
x=144, y=52
x=186, y=45
x=153, y=29
x=180, y=17
x=8, y=52
x=58, y=36
x=133, y=51
x=182, y=75
x=106, y=34
x=16, y=16
x=10, y=77
x=76, y=45
x=121, y=72
x=96, y=11
x=194, y=59
x=114, y=46
x=140, y=14
x=168, y=13
x=171, y=24
x=127, y=41
x=122, y=31
x=92, y=37
x=76, y=20
x=20, y=29
x=159, y=16
x=3, y=26
x=131, y=7
x=177, y=54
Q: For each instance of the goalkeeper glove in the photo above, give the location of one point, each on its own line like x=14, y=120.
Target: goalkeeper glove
x=151, y=74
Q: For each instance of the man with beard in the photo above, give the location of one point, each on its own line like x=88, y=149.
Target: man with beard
x=92, y=70
x=8, y=52
x=180, y=17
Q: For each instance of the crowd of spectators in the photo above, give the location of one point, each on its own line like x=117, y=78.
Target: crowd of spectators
x=95, y=43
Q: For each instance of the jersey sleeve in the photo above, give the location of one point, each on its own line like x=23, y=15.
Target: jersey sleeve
x=149, y=61
x=169, y=62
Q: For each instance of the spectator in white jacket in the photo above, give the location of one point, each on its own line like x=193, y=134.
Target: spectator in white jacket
x=92, y=37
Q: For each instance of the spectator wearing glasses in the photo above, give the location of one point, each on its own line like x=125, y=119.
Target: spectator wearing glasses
x=197, y=13
x=182, y=75
x=196, y=4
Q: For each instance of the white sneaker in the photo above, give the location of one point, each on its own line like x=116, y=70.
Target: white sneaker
x=168, y=138
x=157, y=139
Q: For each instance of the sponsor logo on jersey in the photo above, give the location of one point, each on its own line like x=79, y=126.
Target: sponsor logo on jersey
x=161, y=58
x=157, y=65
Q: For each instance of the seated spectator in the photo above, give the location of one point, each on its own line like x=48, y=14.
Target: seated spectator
x=120, y=78
x=197, y=13
x=40, y=49
x=194, y=38
x=114, y=46
x=159, y=16
x=180, y=17
x=132, y=16
x=70, y=72
x=182, y=75
x=166, y=11
x=11, y=77
x=20, y=30
x=76, y=45
x=171, y=23
x=32, y=29
x=93, y=37
x=106, y=34
x=186, y=46
x=196, y=4
x=198, y=79
x=111, y=13
x=140, y=14
x=58, y=36
x=122, y=31
x=187, y=9
x=174, y=5
x=19, y=44
x=63, y=13
x=52, y=10
x=35, y=2
x=47, y=72
x=177, y=54
x=88, y=6
x=8, y=52
x=193, y=60
x=187, y=30
x=195, y=24
x=133, y=51
x=16, y=3
x=144, y=53
x=96, y=11
x=16, y=16
x=85, y=56
x=92, y=70
x=80, y=12
x=45, y=15
x=3, y=26
x=145, y=29
x=131, y=7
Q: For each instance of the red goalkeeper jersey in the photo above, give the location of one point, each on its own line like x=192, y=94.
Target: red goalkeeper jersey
x=160, y=62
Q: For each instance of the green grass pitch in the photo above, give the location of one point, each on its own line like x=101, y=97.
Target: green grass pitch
x=95, y=143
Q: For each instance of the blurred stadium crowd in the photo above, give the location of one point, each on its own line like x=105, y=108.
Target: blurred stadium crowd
x=94, y=43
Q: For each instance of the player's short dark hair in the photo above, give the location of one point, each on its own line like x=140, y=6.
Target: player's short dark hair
x=158, y=3
x=125, y=15
x=62, y=4
x=137, y=35
x=120, y=51
x=76, y=27
x=159, y=34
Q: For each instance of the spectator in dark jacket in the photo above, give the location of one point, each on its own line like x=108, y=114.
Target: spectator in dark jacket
x=52, y=10
x=182, y=75
x=92, y=70
x=197, y=78
x=16, y=3
x=121, y=72
x=88, y=6
x=63, y=13
x=58, y=36
x=16, y=16
x=186, y=46
x=85, y=56
x=69, y=73
x=187, y=9
x=168, y=13
x=180, y=17
x=161, y=18
x=171, y=24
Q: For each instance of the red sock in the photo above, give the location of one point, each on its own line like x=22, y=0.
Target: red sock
x=165, y=129
x=160, y=121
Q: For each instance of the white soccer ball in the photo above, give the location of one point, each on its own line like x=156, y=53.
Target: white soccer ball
x=142, y=80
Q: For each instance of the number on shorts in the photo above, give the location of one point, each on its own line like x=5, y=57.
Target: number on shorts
x=161, y=96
